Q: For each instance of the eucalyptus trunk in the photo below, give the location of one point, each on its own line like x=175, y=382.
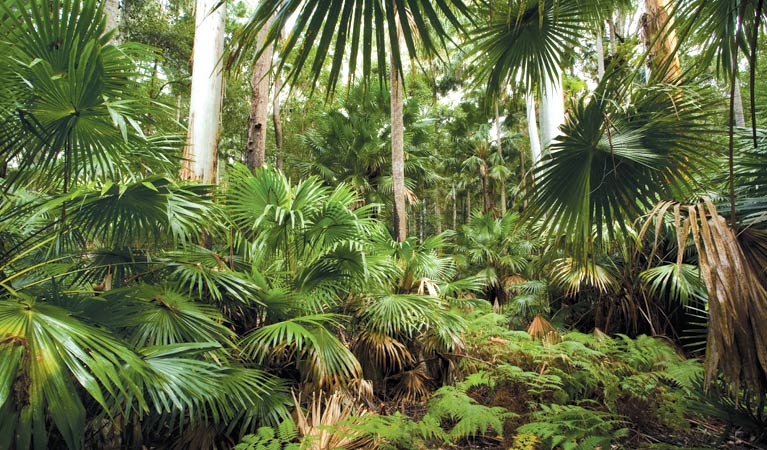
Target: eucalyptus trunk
x=502, y=181
x=661, y=38
x=532, y=129
x=600, y=55
x=552, y=109
x=201, y=151
x=255, y=147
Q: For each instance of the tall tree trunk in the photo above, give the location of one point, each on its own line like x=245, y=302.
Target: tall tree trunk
x=498, y=142
x=740, y=117
x=201, y=150
x=114, y=19
x=277, y=119
x=398, y=155
x=255, y=148
x=552, y=109
x=485, y=187
x=600, y=55
x=455, y=208
x=438, y=210
x=532, y=130
x=660, y=36
x=613, y=35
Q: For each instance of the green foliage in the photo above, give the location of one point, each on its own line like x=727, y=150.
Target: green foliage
x=467, y=417
x=574, y=427
x=266, y=438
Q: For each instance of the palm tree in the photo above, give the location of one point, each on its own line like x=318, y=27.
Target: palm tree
x=353, y=27
x=94, y=333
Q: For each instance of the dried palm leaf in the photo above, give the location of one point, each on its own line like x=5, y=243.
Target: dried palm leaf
x=325, y=424
x=737, y=294
x=540, y=328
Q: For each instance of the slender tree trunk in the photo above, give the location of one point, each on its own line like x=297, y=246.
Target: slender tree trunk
x=532, y=130
x=600, y=55
x=485, y=187
x=660, y=36
x=438, y=210
x=398, y=155
x=468, y=206
x=201, y=150
x=613, y=35
x=255, y=148
x=552, y=109
x=498, y=142
x=277, y=119
x=422, y=228
x=114, y=19
x=740, y=117
x=455, y=209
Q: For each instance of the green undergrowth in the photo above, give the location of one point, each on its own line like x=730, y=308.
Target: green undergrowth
x=570, y=391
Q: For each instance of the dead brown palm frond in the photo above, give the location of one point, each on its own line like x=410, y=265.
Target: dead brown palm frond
x=737, y=294
x=325, y=423
x=540, y=328
x=381, y=353
x=413, y=384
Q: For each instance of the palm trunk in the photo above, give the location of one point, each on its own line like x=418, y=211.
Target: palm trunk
x=255, y=148
x=532, y=130
x=201, y=151
x=398, y=155
x=552, y=109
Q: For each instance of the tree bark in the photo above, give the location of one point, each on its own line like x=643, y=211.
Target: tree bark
x=498, y=142
x=114, y=18
x=255, y=148
x=600, y=55
x=201, y=151
x=661, y=38
x=277, y=119
x=740, y=116
x=398, y=155
x=552, y=109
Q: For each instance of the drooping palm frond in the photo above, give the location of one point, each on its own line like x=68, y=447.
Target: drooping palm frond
x=185, y=393
x=350, y=28
x=161, y=315
x=527, y=40
x=308, y=342
x=47, y=353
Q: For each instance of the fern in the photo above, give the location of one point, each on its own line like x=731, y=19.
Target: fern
x=471, y=419
x=574, y=427
x=266, y=438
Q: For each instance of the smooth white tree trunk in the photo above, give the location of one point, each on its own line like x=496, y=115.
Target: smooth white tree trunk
x=552, y=110
x=600, y=55
x=532, y=129
x=740, y=117
x=201, y=151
